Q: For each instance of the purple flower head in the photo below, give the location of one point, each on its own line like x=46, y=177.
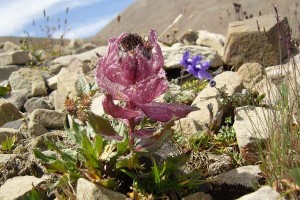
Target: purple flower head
x=132, y=71
x=197, y=67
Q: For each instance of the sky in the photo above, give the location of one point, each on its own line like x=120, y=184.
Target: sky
x=84, y=17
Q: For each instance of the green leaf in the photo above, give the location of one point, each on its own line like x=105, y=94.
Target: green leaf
x=82, y=86
x=64, y=155
x=3, y=90
x=99, y=145
x=90, y=152
x=42, y=157
x=156, y=173
x=296, y=174
x=103, y=126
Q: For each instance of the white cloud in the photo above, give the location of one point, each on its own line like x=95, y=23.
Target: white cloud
x=15, y=14
x=86, y=29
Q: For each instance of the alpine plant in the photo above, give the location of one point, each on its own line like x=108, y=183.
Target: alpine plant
x=132, y=72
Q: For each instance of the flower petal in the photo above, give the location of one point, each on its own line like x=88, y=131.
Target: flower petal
x=164, y=112
x=117, y=111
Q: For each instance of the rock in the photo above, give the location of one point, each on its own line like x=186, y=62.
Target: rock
x=4, y=158
x=189, y=37
x=198, y=196
x=75, y=43
x=219, y=164
x=36, y=103
x=76, y=66
x=272, y=94
x=18, y=98
x=17, y=124
x=52, y=82
x=30, y=81
x=86, y=56
x=18, y=187
x=39, y=142
x=87, y=190
x=59, y=100
x=8, y=112
x=55, y=68
x=212, y=40
x=89, y=46
x=173, y=55
x=10, y=132
x=96, y=105
x=251, y=127
x=264, y=193
x=251, y=74
x=246, y=44
x=9, y=46
x=211, y=110
x=14, y=58
x=36, y=129
x=247, y=176
x=66, y=82
x=48, y=118
x=5, y=71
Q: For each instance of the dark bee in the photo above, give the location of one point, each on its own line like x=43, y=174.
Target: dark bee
x=129, y=42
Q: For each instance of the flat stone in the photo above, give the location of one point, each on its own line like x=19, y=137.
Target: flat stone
x=18, y=187
x=264, y=193
x=14, y=58
x=30, y=81
x=87, y=190
x=212, y=40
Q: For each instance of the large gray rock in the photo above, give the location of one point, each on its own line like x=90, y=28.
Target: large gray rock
x=89, y=56
x=87, y=190
x=18, y=98
x=173, y=55
x=251, y=127
x=17, y=187
x=36, y=103
x=30, y=81
x=264, y=193
x=209, y=97
x=66, y=82
x=5, y=71
x=245, y=43
x=48, y=118
x=8, y=112
x=247, y=176
x=219, y=163
x=14, y=58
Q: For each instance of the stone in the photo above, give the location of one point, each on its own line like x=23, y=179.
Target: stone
x=189, y=37
x=246, y=44
x=76, y=66
x=248, y=176
x=86, y=56
x=14, y=58
x=263, y=193
x=36, y=103
x=87, y=190
x=4, y=158
x=212, y=40
x=59, y=100
x=198, y=196
x=251, y=127
x=17, y=124
x=30, y=81
x=10, y=132
x=17, y=97
x=9, y=46
x=18, y=187
x=52, y=82
x=219, y=164
x=209, y=104
x=96, y=105
x=36, y=129
x=89, y=46
x=5, y=71
x=8, y=112
x=267, y=87
x=251, y=74
x=48, y=118
x=66, y=83
x=173, y=55
x=39, y=142
x=55, y=68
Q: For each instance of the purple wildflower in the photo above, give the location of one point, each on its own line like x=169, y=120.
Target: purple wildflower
x=197, y=67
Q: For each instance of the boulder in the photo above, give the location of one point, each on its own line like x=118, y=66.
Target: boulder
x=87, y=190
x=246, y=43
x=14, y=58
x=66, y=82
x=48, y=118
x=16, y=124
x=55, y=68
x=219, y=164
x=251, y=127
x=36, y=103
x=264, y=193
x=267, y=87
x=251, y=74
x=18, y=187
x=9, y=46
x=17, y=97
x=8, y=112
x=212, y=40
x=5, y=71
x=173, y=55
x=30, y=81
x=52, y=82
x=10, y=132
x=247, y=176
